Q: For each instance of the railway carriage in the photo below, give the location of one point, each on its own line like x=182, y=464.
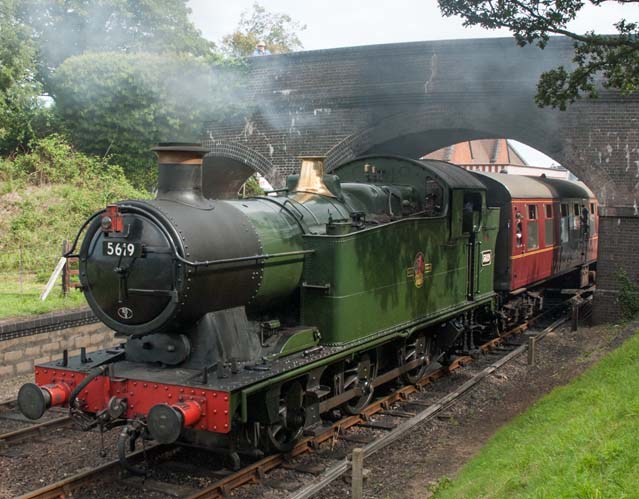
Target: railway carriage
x=244, y=320
x=547, y=228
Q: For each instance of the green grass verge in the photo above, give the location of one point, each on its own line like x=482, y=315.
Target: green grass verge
x=20, y=297
x=580, y=441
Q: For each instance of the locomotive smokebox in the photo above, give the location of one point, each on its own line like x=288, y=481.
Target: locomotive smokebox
x=157, y=267
x=180, y=173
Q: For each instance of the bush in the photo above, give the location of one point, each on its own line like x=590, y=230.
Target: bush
x=124, y=104
x=48, y=194
x=53, y=161
x=628, y=297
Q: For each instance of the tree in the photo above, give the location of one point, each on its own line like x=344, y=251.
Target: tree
x=120, y=105
x=64, y=28
x=278, y=31
x=612, y=60
x=21, y=113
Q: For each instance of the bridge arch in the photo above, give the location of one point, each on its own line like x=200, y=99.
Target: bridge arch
x=239, y=155
x=430, y=128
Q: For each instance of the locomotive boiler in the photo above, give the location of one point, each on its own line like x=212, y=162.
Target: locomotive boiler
x=242, y=321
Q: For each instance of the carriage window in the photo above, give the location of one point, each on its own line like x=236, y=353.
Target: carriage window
x=592, y=208
x=519, y=230
x=532, y=212
x=548, y=211
x=549, y=232
x=564, y=210
x=533, y=235
x=576, y=209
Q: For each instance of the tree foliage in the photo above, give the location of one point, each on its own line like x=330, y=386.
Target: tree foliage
x=121, y=75
x=65, y=28
x=611, y=60
x=21, y=113
x=120, y=105
x=37, y=36
x=278, y=31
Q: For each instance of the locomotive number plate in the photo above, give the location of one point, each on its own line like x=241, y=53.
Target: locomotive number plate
x=121, y=248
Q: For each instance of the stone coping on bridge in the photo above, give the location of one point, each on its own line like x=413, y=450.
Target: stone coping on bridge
x=506, y=42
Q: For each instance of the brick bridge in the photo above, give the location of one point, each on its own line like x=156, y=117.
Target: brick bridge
x=414, y=98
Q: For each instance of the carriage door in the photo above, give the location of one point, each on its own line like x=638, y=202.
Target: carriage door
x=470, y=225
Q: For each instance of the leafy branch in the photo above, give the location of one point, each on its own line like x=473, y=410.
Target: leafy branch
x=609, y=60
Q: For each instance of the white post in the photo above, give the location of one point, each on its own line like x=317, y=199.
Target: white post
x=53, y=278
x=358, y=474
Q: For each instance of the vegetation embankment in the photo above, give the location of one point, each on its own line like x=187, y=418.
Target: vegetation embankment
x=45, y=196
x=580, y=441
x=20, y=296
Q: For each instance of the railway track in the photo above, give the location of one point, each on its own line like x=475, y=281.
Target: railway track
x=418, y=411
x=339, y=469
x=9, y=411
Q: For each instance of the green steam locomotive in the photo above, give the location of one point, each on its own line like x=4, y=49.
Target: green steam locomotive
x=243, y=321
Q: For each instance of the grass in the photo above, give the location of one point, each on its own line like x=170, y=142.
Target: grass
x=19, y=297
x=580, y=441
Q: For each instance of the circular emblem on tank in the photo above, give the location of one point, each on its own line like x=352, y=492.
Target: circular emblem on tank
x=125, y=313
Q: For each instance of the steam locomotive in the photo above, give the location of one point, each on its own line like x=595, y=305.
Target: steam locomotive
x=243, y=321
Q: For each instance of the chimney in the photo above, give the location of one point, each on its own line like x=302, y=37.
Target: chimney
x=180, y=173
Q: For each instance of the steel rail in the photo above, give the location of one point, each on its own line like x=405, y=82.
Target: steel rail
x=16, y=436
x=64, y=488
x=9, y=404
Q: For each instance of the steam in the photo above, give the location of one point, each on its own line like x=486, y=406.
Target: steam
x=426, y=95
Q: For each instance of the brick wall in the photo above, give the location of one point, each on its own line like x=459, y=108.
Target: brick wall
x=620, y=236
x=19, y=355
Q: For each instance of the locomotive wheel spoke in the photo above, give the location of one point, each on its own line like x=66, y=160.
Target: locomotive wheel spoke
x=283, y=434
x=416, y=347
x=358, y=374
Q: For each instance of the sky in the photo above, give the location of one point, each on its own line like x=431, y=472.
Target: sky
x=346, y=23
